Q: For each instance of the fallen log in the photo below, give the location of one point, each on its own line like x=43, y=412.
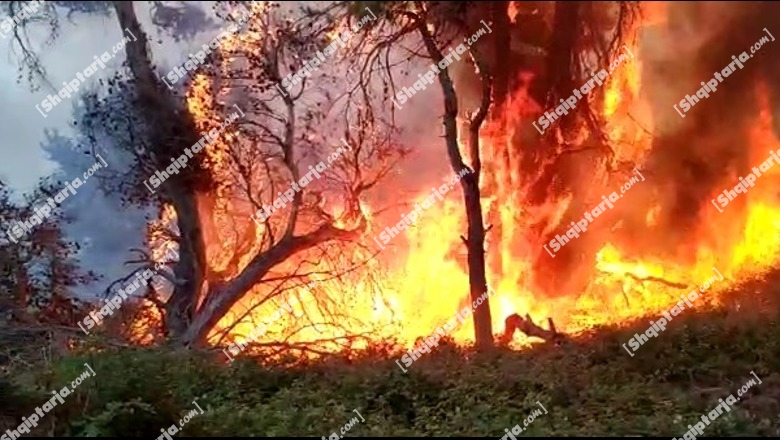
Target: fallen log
x=526, y=325
x=665, y=282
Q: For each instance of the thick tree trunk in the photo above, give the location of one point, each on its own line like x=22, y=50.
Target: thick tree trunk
x=499, y=159
x=503, y=71
x=171, y=131
x=191, y=267
x=556, y=82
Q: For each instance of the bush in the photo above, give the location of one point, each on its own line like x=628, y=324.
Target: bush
x=590, y=386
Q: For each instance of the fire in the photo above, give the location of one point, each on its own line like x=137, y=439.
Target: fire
x=421, y=281
x=512, y=11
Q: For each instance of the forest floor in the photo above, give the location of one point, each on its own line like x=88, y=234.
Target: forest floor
x=590, y=386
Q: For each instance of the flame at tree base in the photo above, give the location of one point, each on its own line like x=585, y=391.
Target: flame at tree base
x=421, y=281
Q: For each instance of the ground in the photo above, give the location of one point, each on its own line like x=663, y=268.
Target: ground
x=590, y=386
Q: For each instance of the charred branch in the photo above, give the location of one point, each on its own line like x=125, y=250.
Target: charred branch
x=526, y=325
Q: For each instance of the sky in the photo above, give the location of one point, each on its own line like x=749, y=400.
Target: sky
x=23, y=161
x=105, y=232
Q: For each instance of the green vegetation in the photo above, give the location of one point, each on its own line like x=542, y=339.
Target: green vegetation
x=590, y=386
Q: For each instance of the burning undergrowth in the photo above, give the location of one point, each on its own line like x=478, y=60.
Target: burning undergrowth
x=663, y=237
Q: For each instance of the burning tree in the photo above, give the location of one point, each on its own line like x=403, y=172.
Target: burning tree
x=226, y=250
x=39, y=271
x=282, y=131
x=558, y=42
x=249, y=64
x=521, y=187
x=435, y=25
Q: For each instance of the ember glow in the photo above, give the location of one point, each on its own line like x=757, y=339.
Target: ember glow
x=417, y=285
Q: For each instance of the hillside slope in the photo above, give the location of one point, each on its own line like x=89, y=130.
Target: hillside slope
x=589, y=387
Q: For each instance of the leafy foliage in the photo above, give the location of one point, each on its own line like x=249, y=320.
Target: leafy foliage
x=590, y=387
x=40, y=268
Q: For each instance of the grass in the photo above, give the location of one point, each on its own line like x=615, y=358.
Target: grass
x=589, y=387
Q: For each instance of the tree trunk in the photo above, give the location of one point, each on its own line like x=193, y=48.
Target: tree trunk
x=503, y=61
x=561, y=56
x=504, y=66
x=22, y=294
x=171, y=131
x=483, y=324
x=137, y=52
x=222, y=298
x=483, y=329
x=191, y=266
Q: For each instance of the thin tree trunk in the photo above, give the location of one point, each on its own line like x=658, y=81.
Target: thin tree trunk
x=222, y=298
x=22, y=294
x=475, y=240
x=483, y=324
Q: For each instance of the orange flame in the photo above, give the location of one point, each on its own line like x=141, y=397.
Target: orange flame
x=426, y=281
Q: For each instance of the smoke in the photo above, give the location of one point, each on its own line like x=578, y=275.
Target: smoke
x=693, y=157
x=690, y=159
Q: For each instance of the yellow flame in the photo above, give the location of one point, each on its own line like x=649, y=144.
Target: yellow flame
x=423, y=279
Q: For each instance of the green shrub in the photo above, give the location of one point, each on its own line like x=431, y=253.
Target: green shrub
x=590, y=386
